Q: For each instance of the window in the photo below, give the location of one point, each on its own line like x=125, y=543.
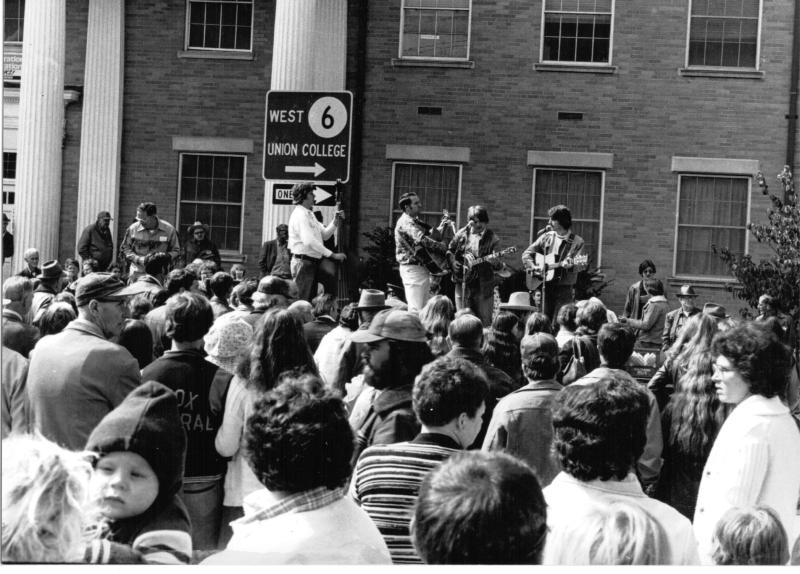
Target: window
x=435, y=29
x=582, y=192
x=577, y=31
x=212, y=191
x=724, y=33
x=221, y=25
x=13, y=20
x=437, y=185
x=9, y=177
x=712, y=210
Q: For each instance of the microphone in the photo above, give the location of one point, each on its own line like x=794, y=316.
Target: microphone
x=544, y=230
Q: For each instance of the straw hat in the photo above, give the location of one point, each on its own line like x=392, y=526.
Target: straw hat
x=518, y=301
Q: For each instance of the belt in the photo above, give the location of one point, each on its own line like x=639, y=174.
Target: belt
x=304, y=257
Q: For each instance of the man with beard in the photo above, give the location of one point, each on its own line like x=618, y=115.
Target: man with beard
x=397, y=350
x=96, y=242
x=275, y=255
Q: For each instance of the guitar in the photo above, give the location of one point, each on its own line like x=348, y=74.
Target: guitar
x=545, y=268
x=430, y=253
x=469, y=262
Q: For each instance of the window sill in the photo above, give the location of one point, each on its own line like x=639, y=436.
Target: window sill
x=232, y=257
x=409, y=63
x=215, y=55
x=720, y=73
x=717, y=283
x=579, y=68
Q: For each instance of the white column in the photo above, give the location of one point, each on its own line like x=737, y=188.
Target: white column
x=101, y=128
x=309, y=53
x=41, y=129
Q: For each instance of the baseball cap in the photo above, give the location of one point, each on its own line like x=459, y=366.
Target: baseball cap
x=392, y=324
x=104, y=286
x=539, y=344
x=104, y=215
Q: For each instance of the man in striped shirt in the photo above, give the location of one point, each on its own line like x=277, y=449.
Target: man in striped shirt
x=449, y=400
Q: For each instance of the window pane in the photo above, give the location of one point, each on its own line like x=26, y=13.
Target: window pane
x=227, y=37
x=228, y=15
x=220, y=25
x=436, y=185
x=727, y=41
x=441, y=30
x=244, y=15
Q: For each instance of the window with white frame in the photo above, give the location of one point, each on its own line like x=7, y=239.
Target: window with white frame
x=582, y=192
x=9, y=177
x=219, y=25
x=724, y=33
x=437, y=185
x=712, y=210
x=212, y=192
x=577, y=31
x=435, y=29
x=13, y=20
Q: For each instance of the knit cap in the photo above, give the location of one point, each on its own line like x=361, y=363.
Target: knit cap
x=225, y=341
x=146, y=423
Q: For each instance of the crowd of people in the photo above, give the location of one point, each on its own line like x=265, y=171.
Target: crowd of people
x=194, y=415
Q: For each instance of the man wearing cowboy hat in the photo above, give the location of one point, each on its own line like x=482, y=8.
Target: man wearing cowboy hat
x=677, y=319
x=519, y=303
x=96, y=242
x=198, y=245
x=148, y=234
x=51, y=281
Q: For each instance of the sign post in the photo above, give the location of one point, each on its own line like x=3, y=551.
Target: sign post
x=307, y=136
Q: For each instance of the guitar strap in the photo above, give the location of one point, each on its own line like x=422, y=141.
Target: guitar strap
x=565, y=246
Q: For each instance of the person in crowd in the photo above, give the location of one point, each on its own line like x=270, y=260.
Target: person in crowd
x=608, y=533
x=156, y=266
x=275, y=256
x=306, y=235
x=16, y=412
x=480, y=508
x=272, y=292
x=589, y=318
x=449, y=400
x=693, y=340
x=45, y=501
x=201, y=387
x=519, y=303
x=300, y=445
x=238, y=272
x=139, y=306
x=475, y=240
x=278, y=346
x=436, y=316
x=521, y=422
x=397, y=349
x=558, y=245
x=31, y=269
x=117, y=269
x=221, y=284
x=303, y=310
x=8, y=240
x=18, y=333
x=654, y=314
x=55, y=318
x=198, y=245
x=77, y=376
x=750, y=536
x=767, y=308
x=68, y=298
x=465, y=335
x=148, y=234
x=567, y=326
x=332, y=345
x=137, y=338
x=637, y=294
x=178, y=280
x=96, y=242
x=615, y=343
x=50, y=282
x=538, y=323
x=138, y=471
x=241, y=301
x=395, y=298
x=72, y=271
x=754, y=457
x=502, y=347
x=89, y=266
x=676, y=319
x=600, y=433
x=720, y=315
x=324, y=320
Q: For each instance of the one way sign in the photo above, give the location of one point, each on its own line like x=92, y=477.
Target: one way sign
x=325, y=195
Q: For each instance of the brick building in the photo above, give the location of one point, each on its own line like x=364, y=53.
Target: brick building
x=648, y=119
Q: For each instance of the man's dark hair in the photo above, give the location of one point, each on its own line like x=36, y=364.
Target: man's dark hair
x=592, y=316
x=243, y=292
x=156, y=263
x=615, y=342
x=140, y=305
x=147, y=208
x=537, y=362
x=300, y=191
x=348, y=318
x=324, y=304
x=221, y=284
x=646, y=264
x=406, y=360
x=653, y=286
x=478, y=212
x=466, y=331
x=446, y=388
x=159, y=297
x=758, y=354
x=55, y=317
x=178, y=279
x=189, y=317
x=538, y=323
x=480, y=508
x=600, y=428
x=561, y=214
x=298, y=437
x=405, y=199
x=566, y=316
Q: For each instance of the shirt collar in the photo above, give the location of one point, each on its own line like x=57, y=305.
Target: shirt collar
x=628, y=486
x=299, y=502
x=437, y=439
x=760, y=405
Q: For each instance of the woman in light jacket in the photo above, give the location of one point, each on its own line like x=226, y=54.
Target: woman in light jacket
x=651, y=325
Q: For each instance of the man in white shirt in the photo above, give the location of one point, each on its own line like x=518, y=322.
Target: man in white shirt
x=306, y=235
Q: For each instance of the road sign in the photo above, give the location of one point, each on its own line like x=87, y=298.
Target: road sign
x=307, y=136
x=325, y=195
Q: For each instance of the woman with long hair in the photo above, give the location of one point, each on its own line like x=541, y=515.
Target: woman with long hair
x=436, y=316
x=502, y=346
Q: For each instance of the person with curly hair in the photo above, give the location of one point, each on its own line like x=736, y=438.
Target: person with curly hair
x=599, y=432
x=501, y=347
x=754, y=459
x=436, y=316
x=55, y=318
x=299, y=444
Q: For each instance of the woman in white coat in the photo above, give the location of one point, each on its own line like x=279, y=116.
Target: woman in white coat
x=756, y=456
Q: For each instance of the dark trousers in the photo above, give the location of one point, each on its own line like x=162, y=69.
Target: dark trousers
x=555, y=296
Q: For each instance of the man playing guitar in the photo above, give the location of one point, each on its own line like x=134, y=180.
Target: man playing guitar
x=562, y=252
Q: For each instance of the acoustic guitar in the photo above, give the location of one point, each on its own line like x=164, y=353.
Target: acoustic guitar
x=545, y=267
x=469, y=263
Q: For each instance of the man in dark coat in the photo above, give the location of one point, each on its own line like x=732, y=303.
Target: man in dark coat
x=199, y=246
x=275, y=255
x=324, y=320
x=18, y=334
x=96, y=242
x=8, y=240
x=677, y=319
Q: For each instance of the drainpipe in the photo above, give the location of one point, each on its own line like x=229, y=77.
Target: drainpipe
x=791, y=135
x=358, y=123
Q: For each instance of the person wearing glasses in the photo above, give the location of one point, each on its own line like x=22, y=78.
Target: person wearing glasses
x=637, y=295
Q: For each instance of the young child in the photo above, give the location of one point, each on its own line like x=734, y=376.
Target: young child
x=753, y=535
x=45, y=501
x=139, y=470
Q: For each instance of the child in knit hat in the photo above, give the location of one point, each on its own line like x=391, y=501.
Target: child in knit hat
x=137, y=476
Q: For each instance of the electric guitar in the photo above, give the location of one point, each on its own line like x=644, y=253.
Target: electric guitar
x=469, y=262
x=545, y=268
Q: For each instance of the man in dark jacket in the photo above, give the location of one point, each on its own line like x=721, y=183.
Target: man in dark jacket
x=96, y=242
x=677, y=319
x=18, y=334
x=198, y=245
x=324, y=320
x=275, y=255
